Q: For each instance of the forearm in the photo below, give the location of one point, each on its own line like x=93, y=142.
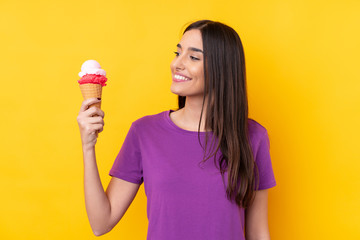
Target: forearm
x=97, y=204
x=257, y=233
x=257, y=238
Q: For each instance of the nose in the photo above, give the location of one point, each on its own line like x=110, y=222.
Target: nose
x=178, y=63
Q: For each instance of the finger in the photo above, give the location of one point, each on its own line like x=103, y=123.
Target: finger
x=97, y=127
x=94, y=111
x=96, y=120
x=86, y=103
x=102, y=114
x=97, y=112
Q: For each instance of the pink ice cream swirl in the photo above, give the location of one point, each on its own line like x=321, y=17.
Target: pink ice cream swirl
x=94, y=79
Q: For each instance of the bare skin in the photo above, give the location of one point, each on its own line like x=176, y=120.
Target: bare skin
x=256, y=218
x=104, y=209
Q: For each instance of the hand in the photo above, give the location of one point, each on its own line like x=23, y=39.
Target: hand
x=90, y=121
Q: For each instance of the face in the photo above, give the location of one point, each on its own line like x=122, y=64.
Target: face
x=187, y=68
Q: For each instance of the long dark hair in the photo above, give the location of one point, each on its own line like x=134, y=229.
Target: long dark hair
x=227, y=108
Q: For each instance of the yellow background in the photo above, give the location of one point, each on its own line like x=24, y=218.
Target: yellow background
x=303, y=83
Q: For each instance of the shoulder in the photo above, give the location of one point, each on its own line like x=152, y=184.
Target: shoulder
x=257, y=132
x=255, y=128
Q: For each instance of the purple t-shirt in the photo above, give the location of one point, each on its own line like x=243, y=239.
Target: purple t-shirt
x=185, y=199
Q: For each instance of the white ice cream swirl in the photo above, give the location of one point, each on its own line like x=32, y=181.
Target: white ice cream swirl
x=91, y=67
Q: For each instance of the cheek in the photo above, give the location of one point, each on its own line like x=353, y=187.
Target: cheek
x=199, y=73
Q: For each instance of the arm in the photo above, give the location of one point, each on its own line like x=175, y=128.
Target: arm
x=104, y=210
x=256, y=219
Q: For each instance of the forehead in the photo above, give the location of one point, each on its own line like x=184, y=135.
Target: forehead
x=192, y=38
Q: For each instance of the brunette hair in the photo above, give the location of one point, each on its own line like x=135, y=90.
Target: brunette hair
x=227, y=109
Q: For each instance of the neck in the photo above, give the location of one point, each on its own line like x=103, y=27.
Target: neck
x=191, y=113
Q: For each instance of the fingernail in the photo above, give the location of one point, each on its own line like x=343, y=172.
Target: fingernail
x=98, y=98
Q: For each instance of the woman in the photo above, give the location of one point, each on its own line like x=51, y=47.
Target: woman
x=188, y=196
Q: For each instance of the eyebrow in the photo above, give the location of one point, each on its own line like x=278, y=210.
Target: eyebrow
x=191, y=48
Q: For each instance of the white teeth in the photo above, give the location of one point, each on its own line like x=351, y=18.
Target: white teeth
x=181, y=77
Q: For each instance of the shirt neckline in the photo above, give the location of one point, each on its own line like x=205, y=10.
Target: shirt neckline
x=178, y=129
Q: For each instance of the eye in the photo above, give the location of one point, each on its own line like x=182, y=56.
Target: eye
x=177, y=53
x=194, y=58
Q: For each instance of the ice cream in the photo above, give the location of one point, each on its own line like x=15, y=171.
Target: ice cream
x=93, y=78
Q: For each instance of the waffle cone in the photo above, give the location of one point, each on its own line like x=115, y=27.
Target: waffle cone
x=90, y=90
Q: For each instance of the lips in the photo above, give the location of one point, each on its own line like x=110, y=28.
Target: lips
x=180, y=78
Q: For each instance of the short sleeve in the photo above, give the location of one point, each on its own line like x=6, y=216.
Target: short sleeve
x=128, y=164
x=263, y=161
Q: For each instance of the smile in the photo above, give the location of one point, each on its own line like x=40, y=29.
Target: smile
x=179, y=78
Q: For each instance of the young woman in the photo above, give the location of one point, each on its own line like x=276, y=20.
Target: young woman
x=189, y=196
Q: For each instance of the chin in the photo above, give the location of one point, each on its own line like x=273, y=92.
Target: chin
x=185, y=92
x=176, y=91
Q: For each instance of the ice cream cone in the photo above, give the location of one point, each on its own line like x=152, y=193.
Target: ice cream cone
x=90, y=90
